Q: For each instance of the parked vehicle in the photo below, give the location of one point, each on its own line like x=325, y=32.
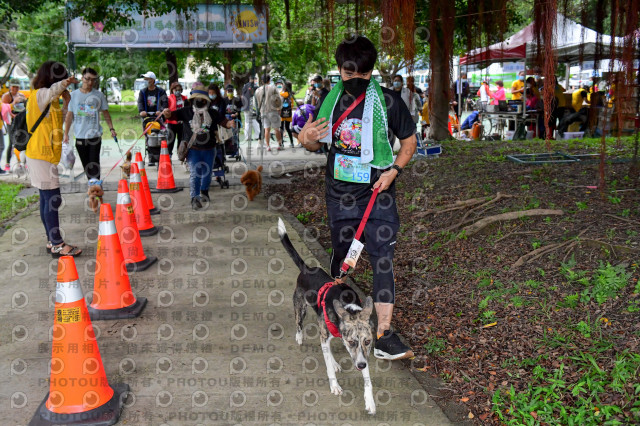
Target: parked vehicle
x=112, y=90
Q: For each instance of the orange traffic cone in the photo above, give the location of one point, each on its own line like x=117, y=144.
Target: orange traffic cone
x=79, y=392
x=128, y=232
x=145, y=184
x=165, y=171
x=140, y=208
x=112, y=295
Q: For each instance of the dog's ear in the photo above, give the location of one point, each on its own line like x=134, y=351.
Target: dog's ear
x=367, y=308
x=342, y=312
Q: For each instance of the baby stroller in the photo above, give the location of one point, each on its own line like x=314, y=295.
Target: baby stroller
x=220, y=167
x=152, y=139
x=232, y=145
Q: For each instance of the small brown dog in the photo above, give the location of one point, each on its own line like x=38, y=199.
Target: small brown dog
x=95, y=197
x=126, y=166
x=252, y=179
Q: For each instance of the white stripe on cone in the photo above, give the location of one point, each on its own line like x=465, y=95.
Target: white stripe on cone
x=123, y=198
x=68, y=292
x=135, y=178
x=140, y=165
x=164, y=151
x=107, y=228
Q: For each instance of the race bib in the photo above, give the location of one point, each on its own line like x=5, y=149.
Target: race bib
x=349, y=169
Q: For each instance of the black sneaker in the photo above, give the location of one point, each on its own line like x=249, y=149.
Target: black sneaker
x=204, y=195
x=389, y=346
x=195, y=203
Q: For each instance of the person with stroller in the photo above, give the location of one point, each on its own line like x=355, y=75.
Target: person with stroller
x=233, y=106
x=151, y=101
x=200, y=121
x=176, y=101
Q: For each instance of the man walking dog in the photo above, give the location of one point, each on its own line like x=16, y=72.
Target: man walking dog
x=355, y=119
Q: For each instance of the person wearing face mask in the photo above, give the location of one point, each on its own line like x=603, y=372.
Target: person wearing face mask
x=319, y=91
x=151, y=101
x=233, y=105
x=249, y=110
x=354, y=120
x=176, y=101
x=286, y=112
x=199, y=120
x=404, y=92
x=517, y=87
x=269, y=104
x=460, y=86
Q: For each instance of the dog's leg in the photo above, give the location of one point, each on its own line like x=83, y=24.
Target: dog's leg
x=330, y=363
x=300, y=311
x=369, y=402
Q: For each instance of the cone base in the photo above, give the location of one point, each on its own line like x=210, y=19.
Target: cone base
x=105, y=415
x=142, y=265
x=148, y=232
x=171, y=190
x=131, y=311
x=154, y=211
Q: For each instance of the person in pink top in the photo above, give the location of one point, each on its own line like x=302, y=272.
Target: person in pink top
x=499, y=94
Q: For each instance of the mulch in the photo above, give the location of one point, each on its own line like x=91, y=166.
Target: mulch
x=442, y=274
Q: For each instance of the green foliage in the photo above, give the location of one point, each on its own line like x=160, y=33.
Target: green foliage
x=435, y=345
x=543, y=402
x=304, y=217
x=10, y=203
x=606, y=283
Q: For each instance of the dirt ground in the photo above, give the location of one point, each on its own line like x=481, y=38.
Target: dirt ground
x=500, y=311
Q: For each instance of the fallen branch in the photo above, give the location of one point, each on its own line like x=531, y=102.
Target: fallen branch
x=622, y=219
x=482, y=223
x=455, y=206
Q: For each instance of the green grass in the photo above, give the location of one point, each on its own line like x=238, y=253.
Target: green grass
x=10, y=204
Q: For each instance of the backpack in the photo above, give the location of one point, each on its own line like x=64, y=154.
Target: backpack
x=19, y=130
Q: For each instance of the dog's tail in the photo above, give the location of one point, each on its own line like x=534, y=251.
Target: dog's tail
x=286, y=242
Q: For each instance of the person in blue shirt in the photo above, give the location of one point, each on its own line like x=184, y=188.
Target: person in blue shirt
x=468, y=122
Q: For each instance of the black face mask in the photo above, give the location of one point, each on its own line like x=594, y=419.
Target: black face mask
x=356, y=85
x=200, y=103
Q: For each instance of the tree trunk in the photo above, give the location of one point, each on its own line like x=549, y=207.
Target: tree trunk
x=227, y=66
x=172, y=66
x=440, y=56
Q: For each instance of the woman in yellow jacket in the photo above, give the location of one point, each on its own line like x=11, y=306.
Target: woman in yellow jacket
x=45, y=147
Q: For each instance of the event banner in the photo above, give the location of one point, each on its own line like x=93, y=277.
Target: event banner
x=228, y=26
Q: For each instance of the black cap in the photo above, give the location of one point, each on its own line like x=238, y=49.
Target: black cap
x=229, y=87
x=317, y=78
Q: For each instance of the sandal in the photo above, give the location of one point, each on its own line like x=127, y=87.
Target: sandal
x=73, y=251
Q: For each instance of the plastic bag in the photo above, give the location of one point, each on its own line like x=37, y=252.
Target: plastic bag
x=68, y=158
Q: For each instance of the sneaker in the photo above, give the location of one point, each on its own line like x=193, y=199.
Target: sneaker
x=2, y=172
x=204, y=195
x=280, y=148
x=269, y=149
x=195, y=203
x=389, y=346
x=7, y=167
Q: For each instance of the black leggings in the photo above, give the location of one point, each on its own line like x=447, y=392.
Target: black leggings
x=89, y=152
x=286, y=125
x=379, y=239
x=10, y=149
x=50, y=201
x=175, y=132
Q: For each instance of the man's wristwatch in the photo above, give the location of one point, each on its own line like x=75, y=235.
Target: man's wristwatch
x=397, y=168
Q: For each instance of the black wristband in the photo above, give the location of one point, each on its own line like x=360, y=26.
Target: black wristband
x=397, y=168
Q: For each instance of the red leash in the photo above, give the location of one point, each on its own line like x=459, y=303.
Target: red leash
x=356, y=245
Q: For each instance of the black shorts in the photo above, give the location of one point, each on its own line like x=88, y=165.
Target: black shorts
x=379, y=239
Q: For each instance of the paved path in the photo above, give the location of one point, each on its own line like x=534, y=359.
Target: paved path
x=215, y=344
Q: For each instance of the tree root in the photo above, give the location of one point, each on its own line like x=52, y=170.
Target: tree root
x=499, y=196
x=622, y=219
x=451, y=207
x=533, y=255
x=483, y=223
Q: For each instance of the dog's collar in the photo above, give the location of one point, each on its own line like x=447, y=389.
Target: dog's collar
x=322, y=295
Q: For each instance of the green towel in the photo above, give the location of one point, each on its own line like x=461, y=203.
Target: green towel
x=375, y=149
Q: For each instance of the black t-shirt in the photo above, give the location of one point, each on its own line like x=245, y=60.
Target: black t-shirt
x=346, y=140
x=152, y=100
